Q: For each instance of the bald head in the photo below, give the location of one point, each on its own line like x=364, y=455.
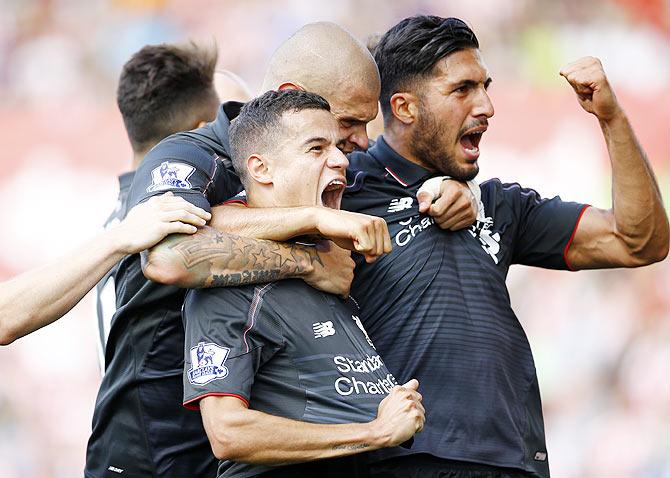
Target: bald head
x=324, y=58
x=229, y=86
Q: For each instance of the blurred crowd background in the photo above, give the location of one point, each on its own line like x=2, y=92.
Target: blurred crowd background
x=601, y=339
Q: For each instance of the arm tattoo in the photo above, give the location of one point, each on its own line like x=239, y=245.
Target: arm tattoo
x=216, y=259
x=359, y=446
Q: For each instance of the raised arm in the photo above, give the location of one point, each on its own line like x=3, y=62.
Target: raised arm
x=635, y=231
x=240, y=434
x=43, y=295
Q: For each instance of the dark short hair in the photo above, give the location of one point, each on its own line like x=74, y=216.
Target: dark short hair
x=410, y=49
x=164, y=89
x=260, y=123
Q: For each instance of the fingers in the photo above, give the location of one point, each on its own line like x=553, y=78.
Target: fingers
x=428, y=191
x=585, y=76
x=461, y=213
x=387, y=239
x=371, y=238
x=425, y=199
x=179, y=228
x=169, y=201
x=456, y=207
x=412, y=384
x=182, y=215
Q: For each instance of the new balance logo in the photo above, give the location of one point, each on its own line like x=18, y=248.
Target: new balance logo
x=400, y=204
x=323, y=329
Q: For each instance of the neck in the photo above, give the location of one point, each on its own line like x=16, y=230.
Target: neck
x=138, y=156
x=399, y=138
x=257, y=197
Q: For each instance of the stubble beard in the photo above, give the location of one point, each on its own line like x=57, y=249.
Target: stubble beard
x=427, y=145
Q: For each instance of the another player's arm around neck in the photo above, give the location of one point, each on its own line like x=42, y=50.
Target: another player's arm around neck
x=367, y=235
x=211, y=258
x=240, y=434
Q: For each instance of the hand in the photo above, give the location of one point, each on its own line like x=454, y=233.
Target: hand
x=400, y=415
x=334, y=270
x=455, y=206
x=149, y=222
x=368, y=235
x=587, y=78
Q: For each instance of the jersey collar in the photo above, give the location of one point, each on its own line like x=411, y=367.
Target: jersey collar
x=227, y=112
x=126, y=179
x=404, y=172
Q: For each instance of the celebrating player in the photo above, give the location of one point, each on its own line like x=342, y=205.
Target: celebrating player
x=445, y=315
x=277, y=383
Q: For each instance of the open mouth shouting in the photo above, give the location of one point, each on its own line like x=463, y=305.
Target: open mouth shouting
x=332, y=194
x=470, y=142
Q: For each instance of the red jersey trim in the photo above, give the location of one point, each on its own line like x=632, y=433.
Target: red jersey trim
x=572, y=236
x=396, y=177
x=236, y=201
x=193, y=404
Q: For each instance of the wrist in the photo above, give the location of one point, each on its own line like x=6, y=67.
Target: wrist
x=112, y=242
x=376, y=435
x=306, y=256
x=312, y=219
x=614, y=120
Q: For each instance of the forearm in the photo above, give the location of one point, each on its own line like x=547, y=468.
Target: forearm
x=256, y=437
x=275, y=224
x=211, y=258
x=638, y=213
x=43, y=295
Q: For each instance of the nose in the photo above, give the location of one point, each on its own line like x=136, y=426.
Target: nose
x=484, y=105
x=338, y=160
x=355, y=137
x=359, y=136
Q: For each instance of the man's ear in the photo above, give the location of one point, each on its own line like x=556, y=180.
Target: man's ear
x=405, y=107
x=258, y=168
x=289, y=86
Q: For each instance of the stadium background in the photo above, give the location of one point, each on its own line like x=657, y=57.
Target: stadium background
x=601, y=339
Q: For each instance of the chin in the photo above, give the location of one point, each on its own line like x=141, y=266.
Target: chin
x=462, y=172
x=469, y=173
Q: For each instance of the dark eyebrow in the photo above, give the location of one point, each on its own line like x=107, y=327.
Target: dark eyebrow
x=315, y=139
x=472, y=83
x=468, y=83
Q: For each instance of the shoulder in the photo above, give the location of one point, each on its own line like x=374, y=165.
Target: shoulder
x=363, y=166
x=495, y=191
x=179, y=147
x=232, y=298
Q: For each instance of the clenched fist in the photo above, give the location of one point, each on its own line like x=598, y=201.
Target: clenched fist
x=587, y=78
x=400, y=415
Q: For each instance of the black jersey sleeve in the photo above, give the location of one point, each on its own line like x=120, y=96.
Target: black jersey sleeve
x=228, y=337
x=187, y=169
x=545, y=228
